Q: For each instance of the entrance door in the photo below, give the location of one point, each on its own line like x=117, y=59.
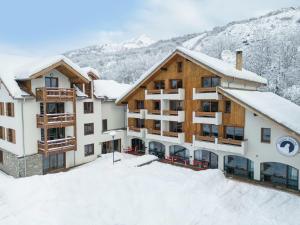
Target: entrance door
x=138, y=145
x=53, y=162
x=238, y=166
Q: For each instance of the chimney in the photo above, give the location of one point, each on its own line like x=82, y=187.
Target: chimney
x=239, y=60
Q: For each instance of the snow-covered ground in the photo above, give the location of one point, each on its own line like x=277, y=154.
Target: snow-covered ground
x=155, y=194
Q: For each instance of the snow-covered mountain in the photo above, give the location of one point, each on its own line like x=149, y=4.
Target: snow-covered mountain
x=270, y=43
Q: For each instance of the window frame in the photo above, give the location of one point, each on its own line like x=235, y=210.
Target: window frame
x=262, y=135
x=234, y=133
x=177, y=82
x=2, y=133
x=210, y=81
x=88, y=107
x=51, y=79
x=159, y=84
x=139, y=104
x=89, y=129
x=104, y=122
x=226, y=105
x=179, y=67
x=10, y=109
x=1, y=157
x=11, y=135
x=2, y=109
x=89, y=151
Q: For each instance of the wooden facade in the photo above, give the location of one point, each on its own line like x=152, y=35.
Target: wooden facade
x=191, y=75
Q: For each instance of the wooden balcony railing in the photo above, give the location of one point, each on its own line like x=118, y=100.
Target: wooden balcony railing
x=135, y=129
x=170, y=112
x=55, y=120
x=154, y=112
x=153, y=91
x=134, y=110
x=205, y=89
x=229, y=141
x=170, y=91
x=154, y=131
x=170, y=134
x=55, y=94
x=59, y=145
x=205, y=114
x=205, y=138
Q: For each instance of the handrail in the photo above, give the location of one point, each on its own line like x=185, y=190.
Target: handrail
x=170, y=134
x=205, y=114
x=205, y=89
x=230, y=141
x=205, y=138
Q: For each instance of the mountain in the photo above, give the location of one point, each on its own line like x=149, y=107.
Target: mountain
x=270, y=44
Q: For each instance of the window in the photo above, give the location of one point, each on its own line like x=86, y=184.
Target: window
x=1, y=109
x=227, y=107
x=156, y=105
x=236, y=133
x=104, y=125
x=88, y=107
x=175, y=84
x=266, y=135
x=179, y=67
x=139, y=104
x=210, y=106
x=175, y=126
x=11, y=135
x=88, y=128
x=10, y=109
x=1, y=156
x=2, y=133
x=54, y=133
x=208, y=82
x=156, y=124
x=210, y=130
x=176, y=105
x=140, y=123
x=55, y=108
x=51, y=82
x=89, y=149
x=160, y=84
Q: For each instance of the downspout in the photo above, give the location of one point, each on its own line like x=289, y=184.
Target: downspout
x=23, y=138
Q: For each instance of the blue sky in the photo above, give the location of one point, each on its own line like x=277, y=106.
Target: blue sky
x=48, y=27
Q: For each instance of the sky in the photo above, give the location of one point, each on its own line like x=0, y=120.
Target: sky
x=47, y=27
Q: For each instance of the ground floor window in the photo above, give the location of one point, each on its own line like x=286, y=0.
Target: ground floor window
x=89, y=149
x=53, y=162
x=238, y=166
x=280, y=174
x=157, y=149
x=138, y=145
x=181, y=154
x=206, y=159
x=108, y=146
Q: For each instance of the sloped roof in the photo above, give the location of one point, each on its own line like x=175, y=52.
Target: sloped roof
x=214, y=64
x=88, y=70
x=276, y=108
x=109, y=89
x=13, y=68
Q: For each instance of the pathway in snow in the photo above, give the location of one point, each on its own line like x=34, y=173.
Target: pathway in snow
x=154, y=194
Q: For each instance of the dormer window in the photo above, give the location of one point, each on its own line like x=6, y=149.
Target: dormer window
x=208, y=82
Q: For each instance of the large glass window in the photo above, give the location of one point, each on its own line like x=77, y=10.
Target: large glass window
x=179, y=151
x=159, y=84
x=175, y=84
x=53, y=162
x=53, y=108
x=208, y=82
x=156, y=124
x=210, y=106
x=279, y=174
x=157, y=149
x=138, y=145
x=175, y=126
x=236, y=133
x=206, y=156
x=53, y=133
x=51, y=82
x=239, y=166
x=210, y=130
x=176, y=105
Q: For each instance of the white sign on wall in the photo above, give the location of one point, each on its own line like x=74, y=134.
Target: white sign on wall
x=287, y=146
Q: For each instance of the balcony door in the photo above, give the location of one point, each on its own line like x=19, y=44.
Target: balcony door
x=53, y=108
x=176, y=105
x=53, y=162
x=51, y=82
x=53, y=134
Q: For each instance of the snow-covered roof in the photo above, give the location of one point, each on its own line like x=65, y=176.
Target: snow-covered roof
x=222, y=66
x=216, y=64
x=109, y=89
x=13, y=68
x=278, y=109
x=88, y=70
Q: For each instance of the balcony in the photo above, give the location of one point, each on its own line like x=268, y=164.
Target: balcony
x=136, y=132
x=59, y=145
x=153, y=114
x=136, y=113
x=167, y=136
x=221, y=144
x=207, y=117
x=172, y=115
x=55, y=94
x=55, y=120
x=169, y=94
x=205, y=93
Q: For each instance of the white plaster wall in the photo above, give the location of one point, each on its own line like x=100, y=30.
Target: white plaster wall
x=238, y=84
x=114, y=114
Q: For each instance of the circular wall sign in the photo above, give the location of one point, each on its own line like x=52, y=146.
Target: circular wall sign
x=287, y=146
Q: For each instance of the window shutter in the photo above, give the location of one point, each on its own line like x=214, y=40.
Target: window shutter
x=12, y=106
x=13, y=136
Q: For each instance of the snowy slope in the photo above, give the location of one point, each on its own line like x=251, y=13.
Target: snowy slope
x=160, y=194
x=271, y=46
